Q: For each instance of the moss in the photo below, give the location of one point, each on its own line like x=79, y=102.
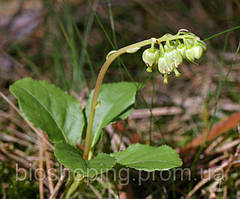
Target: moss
x=16, y=189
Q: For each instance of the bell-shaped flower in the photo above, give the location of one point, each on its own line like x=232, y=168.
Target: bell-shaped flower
x=195, y=51
x=163, y=66
x=150, y=56
x=172, y=56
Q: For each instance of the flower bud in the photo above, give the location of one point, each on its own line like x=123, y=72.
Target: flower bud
x=150, y=56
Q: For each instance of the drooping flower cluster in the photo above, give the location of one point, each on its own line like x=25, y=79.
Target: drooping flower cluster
x=168, y=56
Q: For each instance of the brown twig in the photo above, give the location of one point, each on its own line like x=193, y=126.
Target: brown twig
x=9, y=138
x=59, y=184
x=204, y=181
x=41, y=189
x=29, y=123
x=95, y=191
x=18, y=160
x=24, y=162
x=145, y=113
x=3, y=158
x=16, y=121
x=48, y=165
x=225, y=167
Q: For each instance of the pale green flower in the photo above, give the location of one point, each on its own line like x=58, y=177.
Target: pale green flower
x=150, y=56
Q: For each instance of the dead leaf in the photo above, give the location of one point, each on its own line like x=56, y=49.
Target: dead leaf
x=217, y=129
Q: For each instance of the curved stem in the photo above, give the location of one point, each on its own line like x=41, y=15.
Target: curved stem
x=98, y=86
x=102, y=74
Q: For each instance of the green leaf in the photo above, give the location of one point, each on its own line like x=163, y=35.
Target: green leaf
x=115, y=101
x=72, y=159
x=50, y=109
x=148, y=158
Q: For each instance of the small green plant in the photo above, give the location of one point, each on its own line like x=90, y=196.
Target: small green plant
x=60, y=116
